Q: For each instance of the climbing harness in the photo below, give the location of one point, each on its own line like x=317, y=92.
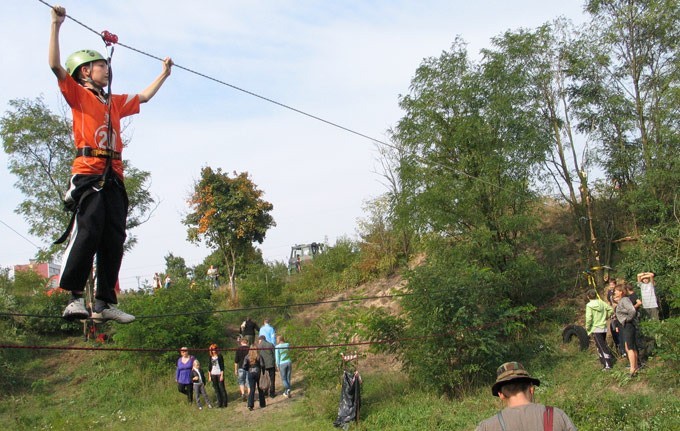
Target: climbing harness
x=108, y=153
x=96, y=152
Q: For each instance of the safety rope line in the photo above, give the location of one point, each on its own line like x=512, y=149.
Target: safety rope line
x=219, y=81
x=453, y=332
x=283, y=105
x=231, y=310
x=20, y=235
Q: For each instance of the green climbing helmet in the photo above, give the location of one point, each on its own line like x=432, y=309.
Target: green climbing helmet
x=78, y=58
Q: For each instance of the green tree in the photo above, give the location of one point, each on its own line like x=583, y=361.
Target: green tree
x=471, y=143
x=28, y=283
x=628, y=98
x=40, y=149
x=176, y=267
x=381, y=248
x=472, y=147
x=230, y=215
x=540, y=63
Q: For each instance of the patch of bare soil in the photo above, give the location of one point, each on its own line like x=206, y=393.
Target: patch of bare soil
x=382, y=295
x=275, y=404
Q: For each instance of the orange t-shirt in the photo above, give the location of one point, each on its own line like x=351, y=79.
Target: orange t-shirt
x=90, y=125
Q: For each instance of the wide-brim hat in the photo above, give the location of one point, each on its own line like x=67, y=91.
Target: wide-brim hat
x=511, y=371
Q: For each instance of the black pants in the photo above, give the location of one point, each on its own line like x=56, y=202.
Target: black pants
x=220, y=391
x=272, y=379
x=615, y=329
x=187, y=389
x=254, y=380
x=603, y=351
x=99, y=230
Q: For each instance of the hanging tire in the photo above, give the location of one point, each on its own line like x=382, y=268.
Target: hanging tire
x=579, y=332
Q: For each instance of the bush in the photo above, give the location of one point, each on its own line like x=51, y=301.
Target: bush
x=169, y=319
x=330, y=272
x=48, y=309
x=262, y=284
x=469, y=315
x=656, y=250
x=666, y=334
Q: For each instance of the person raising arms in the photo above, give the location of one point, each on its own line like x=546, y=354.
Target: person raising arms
x=97, y=194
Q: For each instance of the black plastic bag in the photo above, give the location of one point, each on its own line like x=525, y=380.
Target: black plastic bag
x=350, y=399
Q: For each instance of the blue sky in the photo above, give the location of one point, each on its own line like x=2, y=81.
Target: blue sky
x=344, y=61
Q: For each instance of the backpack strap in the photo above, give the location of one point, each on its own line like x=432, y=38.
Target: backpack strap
x=501, y=421
x=548, y=418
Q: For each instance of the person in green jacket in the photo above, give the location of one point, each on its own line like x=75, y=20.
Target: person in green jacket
x=598, y=313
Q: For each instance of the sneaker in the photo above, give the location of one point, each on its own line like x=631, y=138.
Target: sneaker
x=288, y=393
x=209, y=406
x=250, y=408
x=607, y=369
x=111, y=312
x=200, y=408
x=75, y=310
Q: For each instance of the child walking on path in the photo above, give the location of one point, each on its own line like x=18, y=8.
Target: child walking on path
x=198, y=378
x=283, y=363
x=97, y=193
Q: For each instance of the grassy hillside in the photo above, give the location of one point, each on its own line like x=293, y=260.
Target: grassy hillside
x=60, y=390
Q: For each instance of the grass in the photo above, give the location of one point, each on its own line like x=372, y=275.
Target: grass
x=65, y=390
x=83, y=390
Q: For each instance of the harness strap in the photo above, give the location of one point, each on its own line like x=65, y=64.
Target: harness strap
x=502, y=422
x=98, y=152
x=548, y=418
x=67, y=232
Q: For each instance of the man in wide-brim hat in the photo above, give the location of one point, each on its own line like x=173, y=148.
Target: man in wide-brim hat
x=515, y=387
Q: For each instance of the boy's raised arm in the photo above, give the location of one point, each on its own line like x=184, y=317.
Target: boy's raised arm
x=54, y=56
x=152, y=89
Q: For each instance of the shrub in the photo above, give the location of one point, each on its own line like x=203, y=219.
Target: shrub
x=467, y=316
x=47, y=309
x=262, y=284
x=666, y=334
x=169, y=319
x=656, y=250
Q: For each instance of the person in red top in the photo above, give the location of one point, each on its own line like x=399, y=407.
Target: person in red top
x=97, y=193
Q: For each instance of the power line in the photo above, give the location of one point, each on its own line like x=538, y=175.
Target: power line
x=16, y=232
x=219, y=81
x=231, y=310
x=454, y=332
x=299, y=111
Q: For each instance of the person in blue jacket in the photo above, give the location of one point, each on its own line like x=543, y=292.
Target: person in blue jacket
x=268, y=331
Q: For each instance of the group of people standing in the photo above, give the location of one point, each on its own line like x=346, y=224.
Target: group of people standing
x=191, y=379
x=264, y=354
x=254, y=357
x=621, y=317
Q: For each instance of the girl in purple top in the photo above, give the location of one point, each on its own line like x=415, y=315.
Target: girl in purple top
x=183, y=375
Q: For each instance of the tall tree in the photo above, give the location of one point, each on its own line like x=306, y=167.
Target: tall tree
x=628, y=101
x=541, y=60
x=471, y=144
x=471, y=147
x=40, y=149
x=230, y=215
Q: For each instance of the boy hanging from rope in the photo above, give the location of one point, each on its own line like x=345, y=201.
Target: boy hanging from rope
x=97, y=193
